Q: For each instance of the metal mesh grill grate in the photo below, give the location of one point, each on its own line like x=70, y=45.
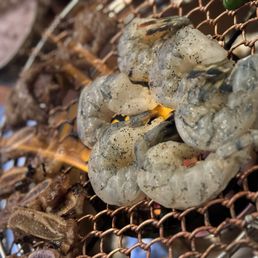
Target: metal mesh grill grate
x=220, y=228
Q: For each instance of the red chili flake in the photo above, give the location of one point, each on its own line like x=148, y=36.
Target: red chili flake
x=190, y=162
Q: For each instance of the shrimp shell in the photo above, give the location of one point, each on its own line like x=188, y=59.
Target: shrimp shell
x=214, y=109
x=105, y=97
x=112, y=167
x=164, y=179
x=140, y=39
x=176, y=57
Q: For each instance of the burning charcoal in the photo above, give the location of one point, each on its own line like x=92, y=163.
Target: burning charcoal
x=43, y=87
x=47, y=194
x=56, y=190
x=12, y=202
x=45, y=226
x=23, y=141
x=31, y=199
x=9, y=146
x=38, y=90
x=21, y=106
x=93, y=28
x=11, y=179
x=74, y=202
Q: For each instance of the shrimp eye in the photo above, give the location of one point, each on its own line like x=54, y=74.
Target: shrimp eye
x=233, y=4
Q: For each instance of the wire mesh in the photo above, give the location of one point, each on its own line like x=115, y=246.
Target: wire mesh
x=223, y=227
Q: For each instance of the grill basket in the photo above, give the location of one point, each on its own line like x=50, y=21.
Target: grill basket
x=224, y=227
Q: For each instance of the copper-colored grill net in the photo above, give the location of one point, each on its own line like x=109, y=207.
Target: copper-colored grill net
x=216, y=229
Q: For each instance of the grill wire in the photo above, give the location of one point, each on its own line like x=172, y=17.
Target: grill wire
x=221, y=227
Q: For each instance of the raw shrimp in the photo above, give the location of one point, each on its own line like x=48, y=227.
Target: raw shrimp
x=112, y=168
x=176, y=57
x=214, y=111
x=136, y=45
x=105, y=97
x=163, y=177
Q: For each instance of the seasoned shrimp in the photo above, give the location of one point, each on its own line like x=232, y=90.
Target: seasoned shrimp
x=105, y=97
x=112, y=168
x=136, y=45
x=163, y=177
x=177, y=56
x=214, y=111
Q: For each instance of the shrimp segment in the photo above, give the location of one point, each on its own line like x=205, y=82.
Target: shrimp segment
x=214, y=109
x=112, y=168
x=165, y=180
x=139, y=40
x=105, y=97
x=177, y=56
x=163, y=177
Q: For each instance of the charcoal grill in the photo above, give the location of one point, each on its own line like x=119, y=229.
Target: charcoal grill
x=223, y=227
